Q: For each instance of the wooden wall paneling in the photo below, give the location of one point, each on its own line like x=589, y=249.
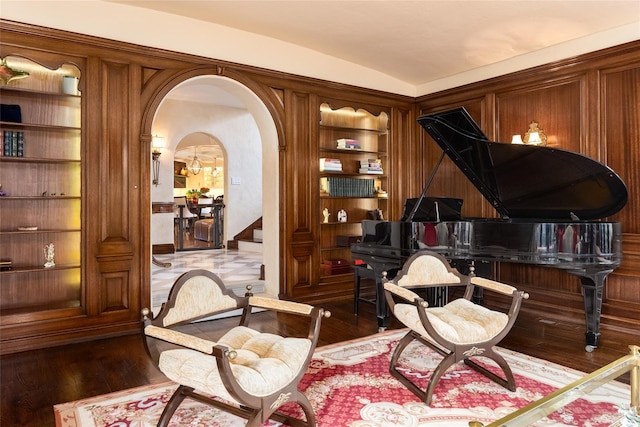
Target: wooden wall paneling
x=118, y=202
x=620, y=141
x=620, y=135
x=138, y=202
x=300, y=188
x=407, y=159
x=91, y=178
x=556, y=106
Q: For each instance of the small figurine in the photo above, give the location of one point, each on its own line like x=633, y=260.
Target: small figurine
x=325, y=215
x=342, y=215
x=49, y=254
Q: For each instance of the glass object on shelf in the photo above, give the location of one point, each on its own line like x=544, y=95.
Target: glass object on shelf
x=49, y=255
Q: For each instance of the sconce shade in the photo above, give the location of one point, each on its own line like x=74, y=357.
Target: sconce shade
x=516, y=139
x=157, y=144
x=534, y=138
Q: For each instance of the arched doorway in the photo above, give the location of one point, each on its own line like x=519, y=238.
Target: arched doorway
x=199, y=174
x=226, y=108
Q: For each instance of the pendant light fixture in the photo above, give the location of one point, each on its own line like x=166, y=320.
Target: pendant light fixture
x=216, y=169
x=195, y=166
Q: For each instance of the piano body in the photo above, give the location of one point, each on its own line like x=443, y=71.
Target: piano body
x=552, y=220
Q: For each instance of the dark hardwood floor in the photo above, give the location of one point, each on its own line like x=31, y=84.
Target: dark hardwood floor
x=32, y=382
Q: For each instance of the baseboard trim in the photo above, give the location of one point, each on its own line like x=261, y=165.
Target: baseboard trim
x=165, y=248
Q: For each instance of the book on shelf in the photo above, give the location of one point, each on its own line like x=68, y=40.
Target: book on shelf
x=348, y=144
x=371, y=166
x=347, y=187
x=330, y=165
x=12, y=143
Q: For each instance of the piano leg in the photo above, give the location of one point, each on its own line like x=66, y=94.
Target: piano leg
x=592, y=290
x=382, y=308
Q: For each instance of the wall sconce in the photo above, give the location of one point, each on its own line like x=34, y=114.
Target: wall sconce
x=535, y=135
x=157, y=143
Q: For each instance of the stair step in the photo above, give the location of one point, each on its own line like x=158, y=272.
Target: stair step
x=257, y=235
x=250, y=246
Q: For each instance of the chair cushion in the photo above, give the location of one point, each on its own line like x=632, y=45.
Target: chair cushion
x=459, y=322
x=265, y=363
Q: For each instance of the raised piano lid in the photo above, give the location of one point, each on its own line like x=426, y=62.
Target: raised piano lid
x=523, y=181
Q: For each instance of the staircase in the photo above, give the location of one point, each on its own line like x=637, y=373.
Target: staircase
x=249, y=239
x=252, y=245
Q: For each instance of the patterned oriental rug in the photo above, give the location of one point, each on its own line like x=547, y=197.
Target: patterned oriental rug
x=349, y=385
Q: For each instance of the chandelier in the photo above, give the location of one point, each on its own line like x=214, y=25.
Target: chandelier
x=216, y=170
x=194, y=165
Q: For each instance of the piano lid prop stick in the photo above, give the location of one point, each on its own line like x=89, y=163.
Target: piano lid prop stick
x=424, y=190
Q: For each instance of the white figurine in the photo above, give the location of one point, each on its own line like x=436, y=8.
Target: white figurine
x=325, y=214
x=49, y=254
x=342, y=215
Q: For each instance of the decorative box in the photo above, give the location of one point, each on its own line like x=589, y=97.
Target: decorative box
x=335, y=266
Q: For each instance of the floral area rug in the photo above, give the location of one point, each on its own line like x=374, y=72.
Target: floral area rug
x=349, y=384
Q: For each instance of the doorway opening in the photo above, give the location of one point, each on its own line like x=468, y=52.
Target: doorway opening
x=222, y=109
x=198, y=192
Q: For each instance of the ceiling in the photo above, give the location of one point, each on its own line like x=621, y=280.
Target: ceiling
x=412, y=41
x=416, y=42
x=208, y=151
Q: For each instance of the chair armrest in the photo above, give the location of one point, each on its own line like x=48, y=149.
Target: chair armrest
x=499, y=287
x=179, y=338
x=281, y=305
x=401, y=292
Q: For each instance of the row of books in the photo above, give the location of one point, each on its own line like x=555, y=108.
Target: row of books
x=371, y=166
x=348, y=144
x=330, y=165
x=12, y=143
x=347, y=187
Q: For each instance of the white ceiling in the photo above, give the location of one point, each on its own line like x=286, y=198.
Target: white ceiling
x=414, y=41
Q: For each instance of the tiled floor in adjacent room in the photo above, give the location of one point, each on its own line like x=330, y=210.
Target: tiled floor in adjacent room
x=235, y=268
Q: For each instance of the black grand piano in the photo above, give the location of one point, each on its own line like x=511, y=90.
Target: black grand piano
x=550, y=203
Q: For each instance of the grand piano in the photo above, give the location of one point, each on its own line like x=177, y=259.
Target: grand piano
x=550, y=204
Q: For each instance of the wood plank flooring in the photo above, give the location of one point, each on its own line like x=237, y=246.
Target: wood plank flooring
x=32, y=382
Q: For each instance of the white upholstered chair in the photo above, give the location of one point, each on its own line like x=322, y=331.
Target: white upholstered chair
x=460, y=330
x=188, y=218
x=254, y=373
